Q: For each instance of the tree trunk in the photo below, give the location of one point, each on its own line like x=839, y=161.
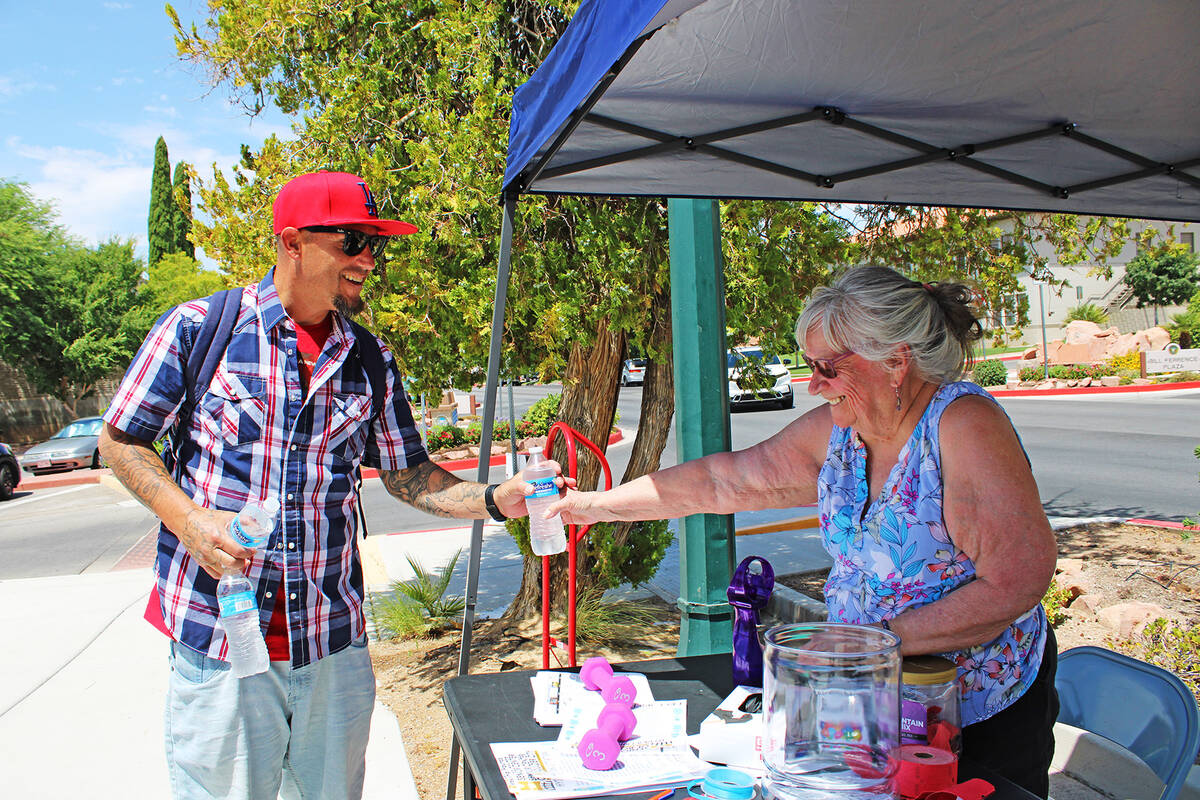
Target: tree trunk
x=658, y=401
x=589, y=403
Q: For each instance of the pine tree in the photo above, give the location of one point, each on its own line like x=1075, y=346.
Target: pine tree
x=162, y=208
x=182, y=205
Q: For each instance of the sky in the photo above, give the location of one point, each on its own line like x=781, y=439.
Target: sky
x=86, y=87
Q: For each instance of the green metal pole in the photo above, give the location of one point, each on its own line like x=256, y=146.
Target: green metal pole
x=706, y=548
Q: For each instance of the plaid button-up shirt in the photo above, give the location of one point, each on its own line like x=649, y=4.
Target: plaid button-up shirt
x=256, y=434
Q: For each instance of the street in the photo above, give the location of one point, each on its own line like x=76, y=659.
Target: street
x=1093, y=455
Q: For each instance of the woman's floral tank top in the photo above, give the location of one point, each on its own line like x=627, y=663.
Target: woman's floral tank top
x=896, y=554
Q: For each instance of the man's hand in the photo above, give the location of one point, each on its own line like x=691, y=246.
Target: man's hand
x=510, y=495
x=205, y=536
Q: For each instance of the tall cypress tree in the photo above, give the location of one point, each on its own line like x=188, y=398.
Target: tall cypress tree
x=162, y=208
x=182, y=205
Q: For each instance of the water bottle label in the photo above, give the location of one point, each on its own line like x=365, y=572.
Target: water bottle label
x=543, y=488
x=234, y=604
x=240, y=536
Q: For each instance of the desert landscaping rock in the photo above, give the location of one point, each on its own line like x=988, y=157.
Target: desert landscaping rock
x=1129, y=619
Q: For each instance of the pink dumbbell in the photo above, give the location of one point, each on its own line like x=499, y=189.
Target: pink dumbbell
x=601, y=745
x=597, y=675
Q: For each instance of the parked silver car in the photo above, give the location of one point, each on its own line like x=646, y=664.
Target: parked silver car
x=73, y=447
x=758, y=378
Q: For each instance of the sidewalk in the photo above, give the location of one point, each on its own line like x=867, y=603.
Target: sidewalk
x=82, y=692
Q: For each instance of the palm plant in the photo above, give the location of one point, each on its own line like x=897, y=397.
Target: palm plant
x=1089, y=312
x=419, y=606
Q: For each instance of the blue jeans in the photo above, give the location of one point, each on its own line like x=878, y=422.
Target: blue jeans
x=294, y=733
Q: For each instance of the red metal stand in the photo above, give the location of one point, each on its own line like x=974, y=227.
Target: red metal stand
x=570, y=435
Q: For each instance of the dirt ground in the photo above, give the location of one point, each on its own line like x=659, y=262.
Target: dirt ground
x=1121, y=563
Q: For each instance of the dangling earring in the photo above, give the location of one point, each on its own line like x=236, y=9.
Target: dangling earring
x=897, y=398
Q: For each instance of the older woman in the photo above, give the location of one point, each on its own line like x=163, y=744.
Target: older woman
x=927, y=503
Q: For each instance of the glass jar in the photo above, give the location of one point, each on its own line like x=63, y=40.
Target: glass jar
x=831, y=710
x=929, y=703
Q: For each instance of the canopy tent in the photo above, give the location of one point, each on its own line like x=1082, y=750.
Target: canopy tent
x=1085, y=106
x=1075, y=106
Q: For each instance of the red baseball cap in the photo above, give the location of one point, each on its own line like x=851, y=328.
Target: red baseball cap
x=331, y=198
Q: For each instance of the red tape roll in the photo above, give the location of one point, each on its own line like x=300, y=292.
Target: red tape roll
x=921, y=769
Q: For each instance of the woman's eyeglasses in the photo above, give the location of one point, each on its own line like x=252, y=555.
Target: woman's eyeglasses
x=825, y=366
x=354, y=241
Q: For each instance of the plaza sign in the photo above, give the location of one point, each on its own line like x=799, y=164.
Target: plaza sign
x=1172, y=359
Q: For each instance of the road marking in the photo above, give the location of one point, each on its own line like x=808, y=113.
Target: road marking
x=15, y=503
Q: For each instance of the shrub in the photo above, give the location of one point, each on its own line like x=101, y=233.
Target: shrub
x=990, y=373
x=442, y=437
x=1070, y=372
x=598, y=622
x=1055, y=603
x=1169, y=646
x=542, y=414
x=615, y=564
x=419, y=606
x=1030, y=373
x=1088, y=312
x=1180, y=377
x=1132, y=361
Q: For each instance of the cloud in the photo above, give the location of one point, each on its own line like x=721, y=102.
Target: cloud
x=96, y=195
x=166, y=111
x=117, y=6
x=15, y=87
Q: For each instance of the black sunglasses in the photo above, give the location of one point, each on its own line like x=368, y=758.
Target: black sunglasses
x=354, y=241
x=825, y=366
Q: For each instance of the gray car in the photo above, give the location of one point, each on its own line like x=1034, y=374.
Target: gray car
x=73, y=447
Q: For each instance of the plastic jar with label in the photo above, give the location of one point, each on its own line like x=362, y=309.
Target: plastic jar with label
x=929, y=703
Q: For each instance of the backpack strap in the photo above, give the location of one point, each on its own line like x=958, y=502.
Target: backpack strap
x=203, y=358
x=375, y=368
x=373, y=365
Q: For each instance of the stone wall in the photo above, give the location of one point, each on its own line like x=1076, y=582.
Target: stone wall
x=27, y=417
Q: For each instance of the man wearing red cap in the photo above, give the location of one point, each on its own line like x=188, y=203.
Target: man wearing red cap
x=288, y=415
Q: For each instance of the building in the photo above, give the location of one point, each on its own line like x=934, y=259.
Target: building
x=1108, y=293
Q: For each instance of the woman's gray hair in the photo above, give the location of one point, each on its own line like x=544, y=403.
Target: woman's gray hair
x=874, y=310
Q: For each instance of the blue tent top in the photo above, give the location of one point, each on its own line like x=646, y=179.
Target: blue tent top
x=1072, y=106
x=592, y=43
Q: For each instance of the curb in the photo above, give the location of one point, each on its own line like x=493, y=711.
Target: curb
x=1162, y=523
x=1157, y=387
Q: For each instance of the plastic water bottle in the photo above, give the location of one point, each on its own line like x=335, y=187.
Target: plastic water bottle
x=252, y=527
x=546, y=536
x=255, y=523
x=239, y=618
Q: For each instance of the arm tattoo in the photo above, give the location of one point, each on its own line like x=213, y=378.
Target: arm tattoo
x=430, y=488
x=139, y=468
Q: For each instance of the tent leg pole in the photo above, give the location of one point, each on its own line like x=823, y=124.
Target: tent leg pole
x=706, y=545
x=485, y=457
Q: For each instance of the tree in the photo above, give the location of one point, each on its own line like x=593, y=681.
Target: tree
x=161, y=223
x=175, y=279
x=1164, y=276
x=71, y=314
x=987, y=249
x=181, y=202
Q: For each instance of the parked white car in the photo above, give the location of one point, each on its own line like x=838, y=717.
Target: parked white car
x=633, y=371
x=758, y=378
